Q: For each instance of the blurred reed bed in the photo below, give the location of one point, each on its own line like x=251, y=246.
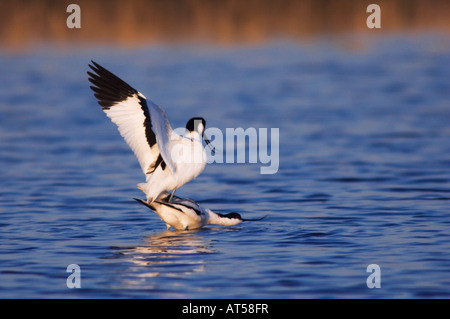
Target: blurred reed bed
x=25, y=22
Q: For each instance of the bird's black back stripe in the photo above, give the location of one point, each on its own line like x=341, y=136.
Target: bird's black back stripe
x=171, y=206
x=159, y=160
x=199, y=213
x=151, y=138
x=154, y=166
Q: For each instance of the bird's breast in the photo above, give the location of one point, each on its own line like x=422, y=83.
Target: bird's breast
x=188, y=152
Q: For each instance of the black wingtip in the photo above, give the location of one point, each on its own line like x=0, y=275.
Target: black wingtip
x=108, y=88
x=94, y=66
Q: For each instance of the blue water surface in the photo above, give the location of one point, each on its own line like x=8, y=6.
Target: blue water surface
x=363, y=178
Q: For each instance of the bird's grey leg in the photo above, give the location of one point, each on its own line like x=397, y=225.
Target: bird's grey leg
x=171, y=195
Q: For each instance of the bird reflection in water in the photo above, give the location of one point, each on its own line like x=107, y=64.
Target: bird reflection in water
x=169, y=254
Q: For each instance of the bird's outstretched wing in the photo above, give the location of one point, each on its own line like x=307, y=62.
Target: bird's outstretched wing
x=141, y=123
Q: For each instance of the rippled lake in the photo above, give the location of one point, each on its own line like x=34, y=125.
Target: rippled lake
x=364, y=172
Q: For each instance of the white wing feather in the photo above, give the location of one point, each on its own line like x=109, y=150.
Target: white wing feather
x=164, y=134
x=129, y=118
x=129, y=110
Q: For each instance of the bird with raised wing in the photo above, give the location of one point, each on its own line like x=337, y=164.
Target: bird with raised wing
x=167, y=159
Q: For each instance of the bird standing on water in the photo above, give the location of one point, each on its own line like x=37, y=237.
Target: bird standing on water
x=186, y=214
x=167, y=159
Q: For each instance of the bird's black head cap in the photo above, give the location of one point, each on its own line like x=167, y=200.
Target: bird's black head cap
x=194, y=123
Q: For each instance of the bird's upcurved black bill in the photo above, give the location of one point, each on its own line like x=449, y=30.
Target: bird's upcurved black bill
x=208, y=142
x=253, y=219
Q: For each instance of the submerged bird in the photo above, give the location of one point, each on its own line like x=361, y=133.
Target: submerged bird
x=186, y=214
x=167, y=159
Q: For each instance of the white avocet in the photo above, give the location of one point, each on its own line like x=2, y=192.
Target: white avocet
x=167, y=159
x=186, y=214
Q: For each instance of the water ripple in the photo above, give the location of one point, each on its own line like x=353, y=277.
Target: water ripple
x=363, y=177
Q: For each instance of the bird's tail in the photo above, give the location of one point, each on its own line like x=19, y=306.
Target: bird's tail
x=145, y=187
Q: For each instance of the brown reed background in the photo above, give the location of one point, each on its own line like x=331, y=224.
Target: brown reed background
x=228, y=21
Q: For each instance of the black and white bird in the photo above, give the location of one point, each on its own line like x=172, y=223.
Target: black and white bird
x=186, y=214
x=167, y=159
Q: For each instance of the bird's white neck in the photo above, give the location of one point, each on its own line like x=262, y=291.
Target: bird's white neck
x=194, y=135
